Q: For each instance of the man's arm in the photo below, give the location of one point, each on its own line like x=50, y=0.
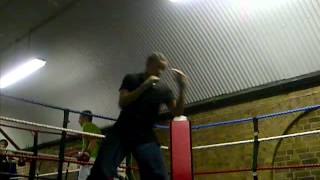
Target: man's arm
x=177, y=106
x=91, y=144
x=127, y=97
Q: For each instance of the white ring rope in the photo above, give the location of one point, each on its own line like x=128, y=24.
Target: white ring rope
x=163, y=147
x=49, y=174
x=260, y=140
x=50, y=127
x=290, y=135
x=52, y=174
x=55, y=173
x=64, y=172
x=223, y=144
x=6, y=151
x=56, y=128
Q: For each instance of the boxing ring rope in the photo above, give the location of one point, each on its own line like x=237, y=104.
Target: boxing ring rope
x=55, y=173
x=41, y=156
x=163, y=147
x=64, y=134
x=19, y=176
x=220, y=123
x=54, y=107
x=259, y=117
x=266, y=168
x=255, y=120
x=41, y=176
x=45, y=158
x=13, y=120
x=49, y=157
x=54, y=158
x=50, y=127
x=32, y=130
x=308, y=133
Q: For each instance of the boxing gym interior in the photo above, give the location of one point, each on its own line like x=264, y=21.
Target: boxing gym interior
x=235, y=85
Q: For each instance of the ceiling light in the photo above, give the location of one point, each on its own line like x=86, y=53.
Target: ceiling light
x=21, y=72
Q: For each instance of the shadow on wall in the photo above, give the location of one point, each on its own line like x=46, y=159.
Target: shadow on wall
x=299, y=150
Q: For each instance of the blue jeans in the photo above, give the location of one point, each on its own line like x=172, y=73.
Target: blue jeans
x=113, y=150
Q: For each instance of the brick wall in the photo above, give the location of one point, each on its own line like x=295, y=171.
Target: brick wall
x=302, y=150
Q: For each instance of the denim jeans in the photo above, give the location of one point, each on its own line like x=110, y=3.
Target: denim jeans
x=113, y=150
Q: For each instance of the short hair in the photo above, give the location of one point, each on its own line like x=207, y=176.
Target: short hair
x=87, y=114
x=156, y=56
x=5, y=141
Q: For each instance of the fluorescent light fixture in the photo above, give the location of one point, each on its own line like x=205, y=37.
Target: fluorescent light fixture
x=21, y=72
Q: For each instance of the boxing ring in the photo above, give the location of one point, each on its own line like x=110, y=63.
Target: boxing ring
x=180, y=146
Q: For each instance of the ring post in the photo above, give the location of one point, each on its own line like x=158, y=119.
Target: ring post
x=255, y=148
x=33, y=165
x=67, y=172
x=62, y=144
x=181, y=149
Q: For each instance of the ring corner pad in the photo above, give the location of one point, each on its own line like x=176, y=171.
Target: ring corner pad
x=180, y=118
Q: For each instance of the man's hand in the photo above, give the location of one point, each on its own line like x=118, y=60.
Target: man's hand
x=151, y=81
x=83, y=156
x=21, y=162
x=127, y=97
x=181, y=78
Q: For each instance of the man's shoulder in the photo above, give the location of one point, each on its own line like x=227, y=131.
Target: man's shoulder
x=90, y=127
